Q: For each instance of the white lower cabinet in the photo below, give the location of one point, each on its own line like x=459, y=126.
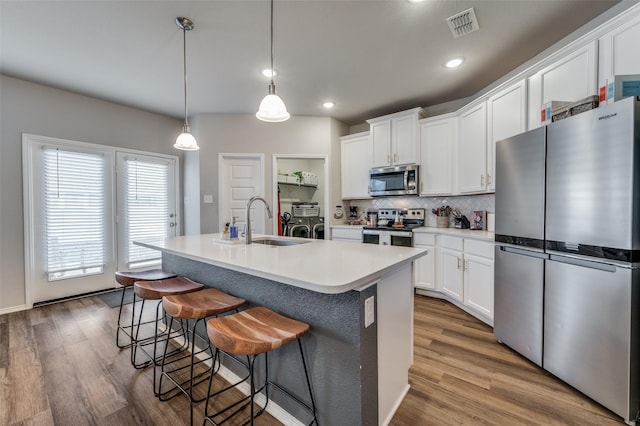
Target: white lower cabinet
x=351, y=234
x=425, y=267
x=466, y=272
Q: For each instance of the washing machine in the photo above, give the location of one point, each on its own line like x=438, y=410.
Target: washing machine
x=299, y=227
x=316, y=224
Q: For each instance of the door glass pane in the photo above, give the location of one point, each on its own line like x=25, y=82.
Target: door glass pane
x=74, y=213
x=147, y=208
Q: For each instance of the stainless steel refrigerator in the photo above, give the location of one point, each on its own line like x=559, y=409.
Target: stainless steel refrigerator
x=519, y=235
x=591, y=281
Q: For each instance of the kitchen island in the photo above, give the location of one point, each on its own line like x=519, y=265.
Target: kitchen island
x=359, y=374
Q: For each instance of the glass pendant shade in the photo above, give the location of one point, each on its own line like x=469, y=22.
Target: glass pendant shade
x=272, y=108
x=186, y=141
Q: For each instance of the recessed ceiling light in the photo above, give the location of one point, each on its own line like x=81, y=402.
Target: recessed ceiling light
x=328, y=105
x=454, y=63
x=267, y=72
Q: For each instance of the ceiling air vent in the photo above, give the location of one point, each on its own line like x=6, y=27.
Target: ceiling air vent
x=463, y=23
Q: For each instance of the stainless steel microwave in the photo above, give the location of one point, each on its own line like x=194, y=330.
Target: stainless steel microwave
x=399, y=180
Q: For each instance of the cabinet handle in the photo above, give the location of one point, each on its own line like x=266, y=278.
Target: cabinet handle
x=488, y=180
x=481, y=180
x=395, y=158
x=388, y=159
x=466, y=265
x=458, y=260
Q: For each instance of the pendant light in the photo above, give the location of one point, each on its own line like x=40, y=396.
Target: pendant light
x=272, y=109
x=185, y=140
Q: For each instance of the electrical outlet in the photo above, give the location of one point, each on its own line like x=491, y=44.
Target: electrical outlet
x=369, y=311
x=208, y=199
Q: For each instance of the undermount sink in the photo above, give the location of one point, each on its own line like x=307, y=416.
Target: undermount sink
x=274, y=242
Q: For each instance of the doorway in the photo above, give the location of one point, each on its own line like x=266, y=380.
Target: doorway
x=300, y=179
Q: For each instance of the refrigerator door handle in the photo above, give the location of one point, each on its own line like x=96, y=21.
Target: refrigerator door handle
x=607, y=267
x=523, y=252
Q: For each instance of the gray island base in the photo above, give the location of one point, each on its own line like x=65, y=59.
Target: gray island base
x=359, y=375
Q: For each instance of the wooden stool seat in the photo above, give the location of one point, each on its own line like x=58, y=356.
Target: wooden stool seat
x=200, y=304
x=155, y=290
x=254, y=331
x=128, y=278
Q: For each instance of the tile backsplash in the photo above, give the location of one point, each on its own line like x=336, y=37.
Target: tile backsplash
x=466, y=203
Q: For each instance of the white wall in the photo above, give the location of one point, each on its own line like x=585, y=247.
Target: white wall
x=243, y=133
x=32, y=108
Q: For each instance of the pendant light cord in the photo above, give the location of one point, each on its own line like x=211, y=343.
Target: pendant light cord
x=272, y=71
x=184, y=61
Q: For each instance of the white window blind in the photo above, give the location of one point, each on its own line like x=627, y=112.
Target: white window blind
x=147, y=208
x=74, y=213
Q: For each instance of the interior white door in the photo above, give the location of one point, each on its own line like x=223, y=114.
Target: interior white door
x=241, y=176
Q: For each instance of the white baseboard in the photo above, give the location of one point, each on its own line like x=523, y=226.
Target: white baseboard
x=386, y=421
x=13, y=309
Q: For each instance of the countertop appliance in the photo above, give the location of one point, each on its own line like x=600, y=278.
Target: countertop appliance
x=588, y=263
x=398, y=180
x=392, y=232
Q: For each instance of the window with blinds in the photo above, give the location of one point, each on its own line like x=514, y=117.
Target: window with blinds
x=74, y=213
x=147, y=208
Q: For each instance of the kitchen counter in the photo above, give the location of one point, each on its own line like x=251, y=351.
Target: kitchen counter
x=358, y=362
x=346, y=268
x=463, y=233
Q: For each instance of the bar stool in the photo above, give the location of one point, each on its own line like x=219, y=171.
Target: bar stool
x=156, y=290
x=253, y=332
x=126, y=279
x=195, y=306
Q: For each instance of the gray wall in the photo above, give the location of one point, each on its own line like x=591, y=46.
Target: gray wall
x=243, y=133
x=32, y=108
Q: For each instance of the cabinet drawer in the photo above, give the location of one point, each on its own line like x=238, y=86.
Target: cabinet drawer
x=453, y=243
x=346, y=234
x=479, y=248
x=421, y=239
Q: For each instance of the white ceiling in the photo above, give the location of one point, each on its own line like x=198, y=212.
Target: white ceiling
x=371, y=57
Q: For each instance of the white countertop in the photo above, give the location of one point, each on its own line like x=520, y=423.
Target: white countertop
x=463, y=233
x=319, y=265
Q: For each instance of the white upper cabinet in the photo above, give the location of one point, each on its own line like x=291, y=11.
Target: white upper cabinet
x=395, y=138
x=506, y=117
x=472, y=149
x=356, y=162
x=618, y=50
x=570, y=78
x=438, y=141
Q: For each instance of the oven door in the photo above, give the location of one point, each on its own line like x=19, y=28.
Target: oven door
x=370, y=236
x=404, y=239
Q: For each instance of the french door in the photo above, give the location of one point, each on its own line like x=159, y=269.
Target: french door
x=85, y=204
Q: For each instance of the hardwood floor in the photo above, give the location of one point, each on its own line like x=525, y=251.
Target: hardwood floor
x=59, y=366
x=462, y=376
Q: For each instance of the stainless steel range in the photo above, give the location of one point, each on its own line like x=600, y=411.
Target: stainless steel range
x=394, y=228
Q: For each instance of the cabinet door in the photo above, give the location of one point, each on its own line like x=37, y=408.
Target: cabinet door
x=570, y=78
x=355, y=165
x=478, y=284
x=507, y=117
x=381, y=139
x=452, y=273
x=425, y=269
x=404, y=140
x=472, y=150
x=614, y=48
x=436, y=165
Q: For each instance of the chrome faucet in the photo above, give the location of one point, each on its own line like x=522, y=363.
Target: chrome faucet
x=247, y=212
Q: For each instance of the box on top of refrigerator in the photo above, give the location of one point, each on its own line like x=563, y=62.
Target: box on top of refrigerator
x=626, y=86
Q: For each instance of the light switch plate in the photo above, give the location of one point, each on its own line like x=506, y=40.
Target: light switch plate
x=369, y=311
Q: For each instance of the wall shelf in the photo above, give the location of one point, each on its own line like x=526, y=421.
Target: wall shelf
x=298, y=185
